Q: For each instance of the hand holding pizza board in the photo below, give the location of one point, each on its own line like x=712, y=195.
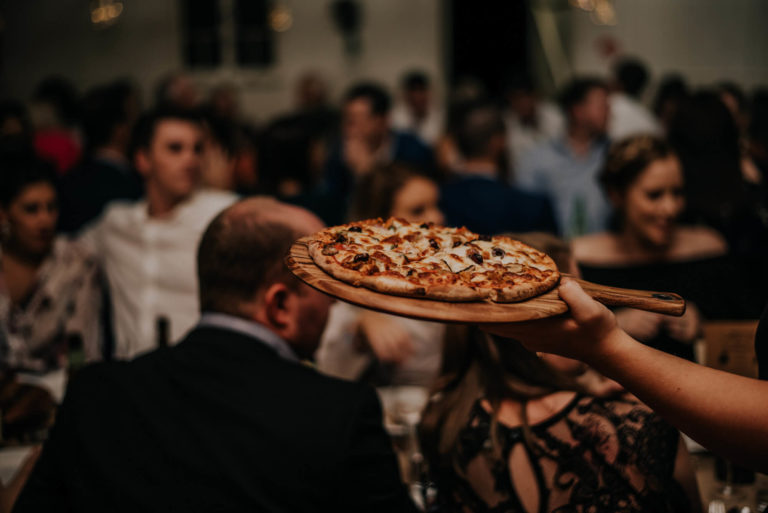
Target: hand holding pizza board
x=545, y=305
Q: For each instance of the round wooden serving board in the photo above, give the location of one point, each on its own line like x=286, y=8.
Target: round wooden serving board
x=545, y=305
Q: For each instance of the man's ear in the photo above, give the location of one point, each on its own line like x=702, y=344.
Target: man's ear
x=141, y=161
x=278, y=312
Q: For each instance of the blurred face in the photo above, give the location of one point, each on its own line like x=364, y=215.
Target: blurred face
x=417, y=100
x=171, y=165
x=183, y=93
x=32, y=217
x=653, y=202
x=309, y=308
x=359, y=122
x=416, y=201
x=312, y=312
x=592, y=113
x=523, y=103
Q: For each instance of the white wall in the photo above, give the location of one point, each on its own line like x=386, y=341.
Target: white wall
x=54, y=36
x=705, y=40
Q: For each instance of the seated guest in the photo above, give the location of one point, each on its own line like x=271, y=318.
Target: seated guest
x=505, y=431
x=530, y=120
x=50, y=292
x=382, y=349
x=721, y=192
x=54, y=109
x=566, y=168
x=108, y=115
x=649, y=250
x=671, y=95
x=369, y=141
x=417, y=114
x=146, y=248
x=476, y=196
x=628, y=114
x=229, y=419
x=177, y=91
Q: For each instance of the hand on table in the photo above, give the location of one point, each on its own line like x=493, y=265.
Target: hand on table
x=386, y=337
x=584, y=333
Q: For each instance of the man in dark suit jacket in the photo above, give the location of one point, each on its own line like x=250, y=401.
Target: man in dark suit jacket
x=228, y=419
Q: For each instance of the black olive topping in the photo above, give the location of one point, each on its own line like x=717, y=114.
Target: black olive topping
x=362, y=257
x=424, y=225
x=355, y=229
x=456, y=243
x=433, y=244
x=340, y=238
x=477, y=257
x=410, y=272
x=498, y=252
x=486, y=238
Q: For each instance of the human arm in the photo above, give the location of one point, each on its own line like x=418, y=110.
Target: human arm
x=386, y=336
x=724, y=412
x=86, y=316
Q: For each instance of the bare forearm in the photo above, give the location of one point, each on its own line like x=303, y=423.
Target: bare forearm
x=724, y=412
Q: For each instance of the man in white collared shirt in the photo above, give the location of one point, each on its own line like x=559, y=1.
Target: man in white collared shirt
x=417, y=113
x=148, y=248
x=628, y=115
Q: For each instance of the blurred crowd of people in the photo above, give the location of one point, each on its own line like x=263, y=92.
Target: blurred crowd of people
x=104, y=200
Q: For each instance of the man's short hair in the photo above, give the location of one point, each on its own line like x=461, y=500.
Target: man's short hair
x=415, y=80
x=577, y=90
x=145, y=127
x=478, y=123
x=376, y=95
x=241, y=254
x=632, y=76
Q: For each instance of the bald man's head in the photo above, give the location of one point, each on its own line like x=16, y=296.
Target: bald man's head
x=242, y=250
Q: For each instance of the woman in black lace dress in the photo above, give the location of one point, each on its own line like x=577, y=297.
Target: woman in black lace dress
x=506, y=432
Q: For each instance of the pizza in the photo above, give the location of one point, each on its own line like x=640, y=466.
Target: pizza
x=433, y=262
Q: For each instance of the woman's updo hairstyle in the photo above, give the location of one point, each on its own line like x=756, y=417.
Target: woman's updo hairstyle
x=628, y=158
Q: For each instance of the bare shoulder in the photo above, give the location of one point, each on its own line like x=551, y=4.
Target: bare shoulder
x=698, y=242
x=596, y=248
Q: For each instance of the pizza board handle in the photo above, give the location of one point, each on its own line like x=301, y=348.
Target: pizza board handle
x=660, y=302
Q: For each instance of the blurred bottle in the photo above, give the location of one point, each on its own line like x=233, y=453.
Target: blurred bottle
x=162, y=331
x=578, y=217
x=75, y=354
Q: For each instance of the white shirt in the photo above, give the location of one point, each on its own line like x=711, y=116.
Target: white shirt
x=630, y=117
x=337, y=355
x=522, y=138
x=151, y=267
x=428, y=130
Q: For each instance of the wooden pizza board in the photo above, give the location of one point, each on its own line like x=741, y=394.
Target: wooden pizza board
x=545, y=305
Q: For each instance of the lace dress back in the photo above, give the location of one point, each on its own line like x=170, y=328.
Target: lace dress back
x=593, y=456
